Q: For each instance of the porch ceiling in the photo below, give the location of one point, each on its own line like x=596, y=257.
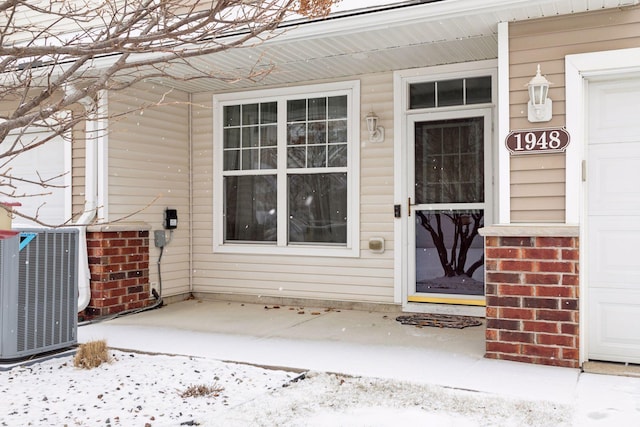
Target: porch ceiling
x=412, y=34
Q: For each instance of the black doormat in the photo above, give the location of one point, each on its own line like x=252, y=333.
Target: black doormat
x=439, y=320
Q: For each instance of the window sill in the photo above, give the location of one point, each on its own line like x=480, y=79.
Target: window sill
x=314, y=251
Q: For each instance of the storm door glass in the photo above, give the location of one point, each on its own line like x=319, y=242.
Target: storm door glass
x=449, y=206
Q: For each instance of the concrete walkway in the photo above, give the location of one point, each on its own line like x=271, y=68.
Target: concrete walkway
x=362, y=343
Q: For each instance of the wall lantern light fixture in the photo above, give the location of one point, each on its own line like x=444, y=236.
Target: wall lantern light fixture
x=376, y=133
x=539, y=107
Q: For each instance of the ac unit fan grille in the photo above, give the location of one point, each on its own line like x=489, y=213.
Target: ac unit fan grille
x=38, y=292
x=46, y=292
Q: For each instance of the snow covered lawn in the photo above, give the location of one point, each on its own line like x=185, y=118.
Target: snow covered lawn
x=138, y=389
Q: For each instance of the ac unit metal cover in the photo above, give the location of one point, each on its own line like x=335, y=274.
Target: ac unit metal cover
x=38, y=292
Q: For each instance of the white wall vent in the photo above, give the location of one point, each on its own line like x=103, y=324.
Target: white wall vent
x=38, y=292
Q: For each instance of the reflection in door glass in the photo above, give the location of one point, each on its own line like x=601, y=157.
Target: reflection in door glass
x=449, y=161
x=449, y=252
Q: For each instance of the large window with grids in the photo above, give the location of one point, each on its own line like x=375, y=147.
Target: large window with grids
x=285, y=162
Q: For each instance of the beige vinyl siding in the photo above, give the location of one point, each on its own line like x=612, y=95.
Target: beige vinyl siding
x=368, y=278
x=78, y=171
x=537, y=182
x=28, y=22
x=376, y=165
x=149, y=160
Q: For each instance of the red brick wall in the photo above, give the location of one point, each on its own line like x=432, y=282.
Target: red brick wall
x=119, y=266
x=532, y=299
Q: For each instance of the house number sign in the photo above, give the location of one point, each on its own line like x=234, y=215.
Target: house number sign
x=537, y=140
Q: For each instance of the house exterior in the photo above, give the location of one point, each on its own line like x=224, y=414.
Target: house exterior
x=283, y=194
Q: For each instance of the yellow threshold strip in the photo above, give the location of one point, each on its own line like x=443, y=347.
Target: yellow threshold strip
x=460, y=301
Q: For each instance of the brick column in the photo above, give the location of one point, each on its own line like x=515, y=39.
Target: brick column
x=119, y=266
x=532, y=294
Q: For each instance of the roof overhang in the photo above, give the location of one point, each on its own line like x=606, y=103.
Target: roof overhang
x=395, y=36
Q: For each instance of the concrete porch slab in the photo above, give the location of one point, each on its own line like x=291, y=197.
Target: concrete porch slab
x=257, y=321
x=351, y=342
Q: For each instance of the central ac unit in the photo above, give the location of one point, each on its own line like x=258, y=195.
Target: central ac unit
x=38, y=292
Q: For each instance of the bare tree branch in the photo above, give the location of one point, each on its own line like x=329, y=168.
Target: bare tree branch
x=55, y=54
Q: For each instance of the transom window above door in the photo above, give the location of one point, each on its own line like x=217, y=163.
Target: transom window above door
x=285, y=165
x=452, y=92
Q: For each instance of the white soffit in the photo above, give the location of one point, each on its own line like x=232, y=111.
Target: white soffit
x=413, y=34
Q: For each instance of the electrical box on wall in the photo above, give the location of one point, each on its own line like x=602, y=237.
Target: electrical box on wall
x=170, y=219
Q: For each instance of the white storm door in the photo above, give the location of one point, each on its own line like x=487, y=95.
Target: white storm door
x=613, y=221
x=449, y=176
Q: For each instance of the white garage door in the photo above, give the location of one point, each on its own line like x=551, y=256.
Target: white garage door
x=613, y=220
x=50, y=163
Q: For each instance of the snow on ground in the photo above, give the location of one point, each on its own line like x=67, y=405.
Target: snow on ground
x=138, y=389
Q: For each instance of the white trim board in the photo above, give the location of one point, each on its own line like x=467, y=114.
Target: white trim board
x=577, y=68
x=503, y=162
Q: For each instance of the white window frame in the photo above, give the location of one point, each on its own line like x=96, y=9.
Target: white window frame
x=352, y=248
